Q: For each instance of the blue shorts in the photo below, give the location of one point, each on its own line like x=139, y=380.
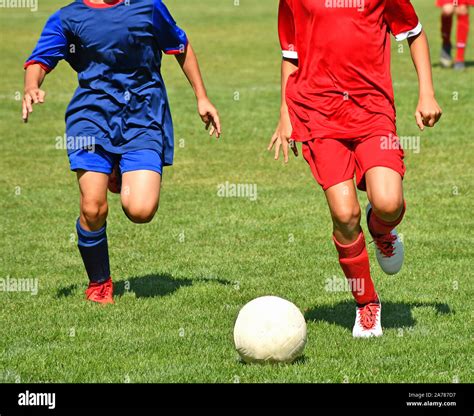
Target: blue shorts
x=103, y=162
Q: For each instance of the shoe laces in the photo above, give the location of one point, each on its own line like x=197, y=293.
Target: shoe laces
x=103, y=290
x=368, y=315
x=385, y=243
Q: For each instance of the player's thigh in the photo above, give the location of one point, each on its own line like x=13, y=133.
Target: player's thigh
x=141, y=181
x=92, y=170
x=343, y=204
x=462, y=10
x=380, y=167
x=447, y=9
x=385, y=191
x=141, y=192
x=93, y=185
x=331, y=161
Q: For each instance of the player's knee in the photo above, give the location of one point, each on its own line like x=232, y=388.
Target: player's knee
x=346, y=217
x=388, y=207
x=448, y=10
x=94, y=212
x=141, y=214
x=462, y=10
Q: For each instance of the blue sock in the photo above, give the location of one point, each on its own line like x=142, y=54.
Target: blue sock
x=94, y=252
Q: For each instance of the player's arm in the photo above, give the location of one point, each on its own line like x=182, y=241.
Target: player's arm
x=49, y=50
x=403, y=23
x=174, y=41
x=208, y=113
x=428, y=112
x=281, y=138
x=34, y=77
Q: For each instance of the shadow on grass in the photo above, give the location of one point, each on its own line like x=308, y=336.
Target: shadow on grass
x=149, y=286
x=300, y=360
x=394, y=314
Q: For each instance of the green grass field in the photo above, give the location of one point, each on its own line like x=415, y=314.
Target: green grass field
x=182, y=279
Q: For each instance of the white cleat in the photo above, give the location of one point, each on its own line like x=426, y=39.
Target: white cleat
x=445, y=58
x=367, y=322
x=389, y=249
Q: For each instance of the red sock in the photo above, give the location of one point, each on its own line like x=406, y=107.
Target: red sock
x=446, y=25
x=462, y=32
x=377, y=226
x=354, y=261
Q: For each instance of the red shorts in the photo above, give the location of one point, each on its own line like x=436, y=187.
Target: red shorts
x=333, y=161
x=441, y=3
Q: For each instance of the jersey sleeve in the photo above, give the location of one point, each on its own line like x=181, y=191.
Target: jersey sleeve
x=51, y=46
x=171, y=38
x=401, y=19
x=286, y=30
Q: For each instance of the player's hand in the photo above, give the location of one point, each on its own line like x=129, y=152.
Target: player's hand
x=428, y=112
x=281, y=139
x=30, y=97
x=210, y=117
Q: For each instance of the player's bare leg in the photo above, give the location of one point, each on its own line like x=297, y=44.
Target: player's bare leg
x=91, y=230
x=94, y=208
x=140, y=195
x=384, y=212
x=345, y=211
x=353, y=258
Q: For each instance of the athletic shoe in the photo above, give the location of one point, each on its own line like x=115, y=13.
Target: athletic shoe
x=459, y=66
x=115, y=180
x=367, y=322
x=445, y=57
x=101, y=292
x=388, y=249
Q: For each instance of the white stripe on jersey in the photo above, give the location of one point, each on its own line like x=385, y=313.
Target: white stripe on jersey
x=415, y=31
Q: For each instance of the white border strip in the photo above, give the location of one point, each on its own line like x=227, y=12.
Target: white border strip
x=290, y=54
x=405, y=35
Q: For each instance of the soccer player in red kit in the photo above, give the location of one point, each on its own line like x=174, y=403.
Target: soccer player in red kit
x=448, y=9
x=337, y=99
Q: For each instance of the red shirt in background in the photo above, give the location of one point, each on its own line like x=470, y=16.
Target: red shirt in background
x=343, y=86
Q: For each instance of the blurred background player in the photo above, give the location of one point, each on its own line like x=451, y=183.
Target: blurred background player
x=119, y=119
x=337, y=99
x=449, y=8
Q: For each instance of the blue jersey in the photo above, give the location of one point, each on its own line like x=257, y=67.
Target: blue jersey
x=121, y=101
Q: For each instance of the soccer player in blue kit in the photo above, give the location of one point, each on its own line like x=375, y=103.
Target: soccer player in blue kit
x=121, y=105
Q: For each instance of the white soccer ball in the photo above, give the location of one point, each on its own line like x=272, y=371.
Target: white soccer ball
x=270, y=329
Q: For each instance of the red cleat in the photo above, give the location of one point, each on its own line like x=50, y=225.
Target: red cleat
x=101, y=292
x=115, y=180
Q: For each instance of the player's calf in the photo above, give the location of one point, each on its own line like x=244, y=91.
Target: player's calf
x=94, y=250
x=462, y=13
x=92, y=235
x=447, y=13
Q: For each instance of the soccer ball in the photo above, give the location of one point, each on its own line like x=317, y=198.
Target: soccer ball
x=270, y=329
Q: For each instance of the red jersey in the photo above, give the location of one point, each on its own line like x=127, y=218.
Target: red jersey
x=343, y=87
